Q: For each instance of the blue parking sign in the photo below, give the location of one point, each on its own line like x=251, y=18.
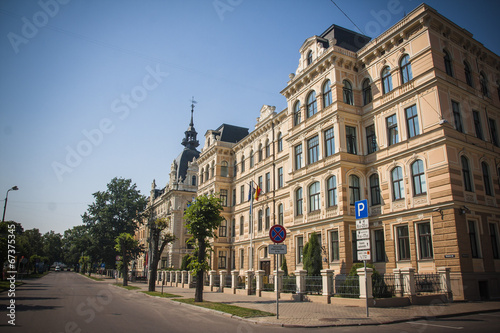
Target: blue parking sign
x=361, y=209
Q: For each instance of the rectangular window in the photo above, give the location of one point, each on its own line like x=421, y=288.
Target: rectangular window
x=474, y=243
x=259, y=220
x=425, y=241
x=371, y=139
x=268, y=218
x=313, y=150
x=259, y=182
x=379, y=245
x=223, y=229
x=223, y=197
x=412, y=121
x=268, y=182
x=403, y=242
x=350, y=135
x=233, y=259
x=234, y=197
x=329, y=142
x=493, y=131
x=242, y=226
x=334, y=245
x=222, y=259
x=242, y=194
x=477, y=124
x=392, y=130
x=233, y=228
x=494, y=240
x=242, y=258
x=457, y=117
x=300, y=249
x=298, y=157
x=280, y=177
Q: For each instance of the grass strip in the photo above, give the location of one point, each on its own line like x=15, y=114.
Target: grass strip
x=159, y=294
x=5, y=285
x=126, y=287
x=227, y=308
x=93, y=278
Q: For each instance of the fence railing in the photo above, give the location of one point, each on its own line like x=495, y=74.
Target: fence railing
x=384, y=286
x=289, y=284
x=314, y=285
x=427, y=284
x=228, y=281
x=346, y=286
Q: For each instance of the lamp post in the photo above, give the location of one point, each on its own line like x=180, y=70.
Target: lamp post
x=14, y=188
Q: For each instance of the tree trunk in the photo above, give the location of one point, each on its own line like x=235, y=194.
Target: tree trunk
x=153, y=271
x=125, y=269
x=198, y=295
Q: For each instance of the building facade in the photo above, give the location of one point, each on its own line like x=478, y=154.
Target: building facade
x=408, y=121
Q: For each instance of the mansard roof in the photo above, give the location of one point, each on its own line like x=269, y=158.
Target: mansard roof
x=231, y=133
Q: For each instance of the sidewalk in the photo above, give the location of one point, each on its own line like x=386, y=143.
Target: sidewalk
x=309, y=314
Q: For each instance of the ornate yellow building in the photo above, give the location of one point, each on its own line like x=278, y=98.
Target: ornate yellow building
x=408, y=121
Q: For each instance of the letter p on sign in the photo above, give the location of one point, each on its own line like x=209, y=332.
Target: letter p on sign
x=361, y=209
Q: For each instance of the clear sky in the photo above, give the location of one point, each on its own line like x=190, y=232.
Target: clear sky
x=96, y=89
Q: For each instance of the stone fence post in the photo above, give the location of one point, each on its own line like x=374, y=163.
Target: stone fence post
x=444, y=276
x=327, y=279
x=278, y=280
x=365, y=283
x=222, y=280
x=212, y=279
x=248, y=282
x=408, y=275
x=300, y=276
x=184, y=277
x=234, y=280
x=259, y=282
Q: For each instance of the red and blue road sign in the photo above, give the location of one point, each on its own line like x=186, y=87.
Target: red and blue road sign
x=277, y=233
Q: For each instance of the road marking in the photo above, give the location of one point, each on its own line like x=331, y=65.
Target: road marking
x=427, y=324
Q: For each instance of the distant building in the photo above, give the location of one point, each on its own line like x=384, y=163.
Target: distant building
x=408, y=121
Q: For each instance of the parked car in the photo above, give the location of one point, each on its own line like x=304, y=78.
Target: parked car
x=58, y=269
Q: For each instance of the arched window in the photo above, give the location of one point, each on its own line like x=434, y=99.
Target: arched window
x=314, y=198
x=367, y=92
x=331, y=189
x=193, y=180
x=348, y=99
x=280, y=214
x=311, y=104
x=268, y=218
x=468, y=74
x=206, y=173
x=398, y=189
x=483, y=81
x=466, y=174
x=297, y=117
x=406, y=74
x=298, y=201
x=243, y=163
x=374, y=190
x=259, y=152
x=447, y=63
x=386, y=80
x=354, y=189
x=201, y=177
x=224, y=169
x=212, y=170
x=251, y=159
x=418, y=175
x=235, y=168
x=486, y=178
x=327, y=94
x=268, y=149
x=309, y=58
x=280, y=142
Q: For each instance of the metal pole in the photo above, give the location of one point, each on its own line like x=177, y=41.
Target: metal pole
x=366, y=291
x=276, y=287
x=14, y=188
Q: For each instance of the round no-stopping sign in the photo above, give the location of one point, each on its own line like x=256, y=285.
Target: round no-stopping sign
x=277, y=233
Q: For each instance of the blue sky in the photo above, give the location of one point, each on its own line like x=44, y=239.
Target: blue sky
x=91, y=90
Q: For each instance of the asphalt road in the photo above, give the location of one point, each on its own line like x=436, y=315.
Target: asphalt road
x=70, y=303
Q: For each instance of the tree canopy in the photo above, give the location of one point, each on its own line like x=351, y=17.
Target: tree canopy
x=312, y=256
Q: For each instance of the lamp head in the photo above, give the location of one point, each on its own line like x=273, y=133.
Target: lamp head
x=15, y=188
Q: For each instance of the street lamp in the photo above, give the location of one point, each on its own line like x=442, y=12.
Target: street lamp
x=14, y=188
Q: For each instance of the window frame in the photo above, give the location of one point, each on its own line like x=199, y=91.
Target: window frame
x=478, y=126
x=457, y=116
x=329, y=142
x=412, y=125
x=367, y=92
x=223, y=197
x=312, y=106
x=327, y=94
x=488, y=188
x=468, y=74
x=334, y=245
x=379, y=245
x=313, y=150
x=448, y=64
x=223, y=228
x=314, y=197
x=354, y=190
x=298, y=156
x=375, y=190
x=299, y=240
x=494, y=239
x=474, y=241
x=371, y=139
x=418, y=178
x=299, y=200
x=405, y=69
x=466, y=174
x=351, y=140
x=392, y=130
x=492, y=124
x=331, y=190
x=425, y=246
x=347, y=94
x=280, y=177
x=398, y=190
x=386, y=80
x=403, y=243
x=297, y=115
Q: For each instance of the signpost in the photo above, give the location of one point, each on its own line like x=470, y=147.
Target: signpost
x=363, y=237
x=277, y=234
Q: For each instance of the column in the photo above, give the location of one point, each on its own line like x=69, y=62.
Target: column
x=444, y=277
x=365, y=282
x=327, y=277
x=234, y=280
x=300, y=276
x=211, y=275
x=259, y=282
x=248, y=283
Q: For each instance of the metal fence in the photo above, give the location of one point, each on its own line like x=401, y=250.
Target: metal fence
x=346, y=286
x=289, y=284
x=228, y=281
x=427, y=284
x=206, y=280
x=314, y=285
x=268, y=284
x=216, y=280
x=384, y=286
x=241, y=282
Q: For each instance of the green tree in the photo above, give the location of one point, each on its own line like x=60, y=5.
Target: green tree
x=76, y=241
x=202, y=217
x=84, y=263
x=160, y=237
x=284, y=266
x=312, y=256
x=52, y=246
x=128, y=247
x=114, y=211
x=30, y=243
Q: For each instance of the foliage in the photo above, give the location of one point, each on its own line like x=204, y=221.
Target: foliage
x=84, y=263
x=202, y=217
x=185, y=262
x=52, y=246
x=76, y=241
x=159, y=239
x=313, y=262
x=128, y=247
x=114, y=211
x=158, y=294
x=227, y=308
x=284, y=266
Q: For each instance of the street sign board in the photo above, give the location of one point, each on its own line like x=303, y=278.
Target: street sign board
x=362, y=224
x=277, y=248
x=363, y=244
x=361, y=209
x=364, y=255
x=277, y=233
x=362, y=234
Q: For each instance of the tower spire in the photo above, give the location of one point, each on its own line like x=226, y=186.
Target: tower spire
x=190, y=141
